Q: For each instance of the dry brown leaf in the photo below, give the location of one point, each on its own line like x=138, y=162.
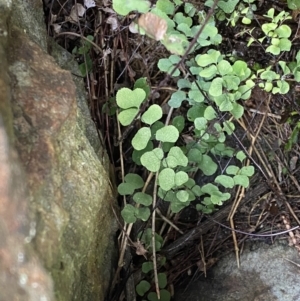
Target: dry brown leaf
x=154, y=26
x=140, y=250
x=77, y=12
x=295, y=14
x=113, y=21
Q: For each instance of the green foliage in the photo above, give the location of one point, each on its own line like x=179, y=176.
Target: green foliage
x=129, y=101
x=271, y=81
x=110, y=107
x=164, y=296
x=142, y=83
x=293, y=69
x=217, y=75
x=147, y=267
x=142, y=198
x=168, y=133
x=244, y=11
x=293, y=4
x=84, y=51
x=141, y=138
x=123, y=8
x=277, y=36
x=132, y=182
x=240, y=175
x=277, y=33
x=162, y=280
x=219, y=85
x=143, y=287
x=177, y=98
x=166, y=6
x=175, y=157
x=167, y=65
x=293, y=139
x=130, y=213
x=152, y=160
x=154, y=113
x=146, y=238
x=228, y=6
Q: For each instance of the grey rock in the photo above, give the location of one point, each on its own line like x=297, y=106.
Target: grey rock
x=60, y=206
x=264, y=275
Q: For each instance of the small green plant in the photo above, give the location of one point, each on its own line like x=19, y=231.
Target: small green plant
x=291, y=69
x=295, y=125
x=293, y=4
x=293, y=139
x=244, y=11
x=123, y=8
x=271, y=81
x=144, y=286
x=276, y=33
x=277, y=36
x=214, y=84
x=237, y=9
x=226, y=6
x=84, y=51
x=154, y=143
x=129, y=102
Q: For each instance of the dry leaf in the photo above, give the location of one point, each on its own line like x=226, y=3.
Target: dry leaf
x=295, y=14
x=209, y=263
x=77, y=11
x=187, y=138
x=89, y=3
x=140, y=250
x=53, y=18
x=56, y=27
x=293, y=163
x=113, y=21
x=154, y=26
x=133, y=27
x=108, y=10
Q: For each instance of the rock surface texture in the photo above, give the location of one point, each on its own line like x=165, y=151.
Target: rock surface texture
x=57, y=215
x=265, y=274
